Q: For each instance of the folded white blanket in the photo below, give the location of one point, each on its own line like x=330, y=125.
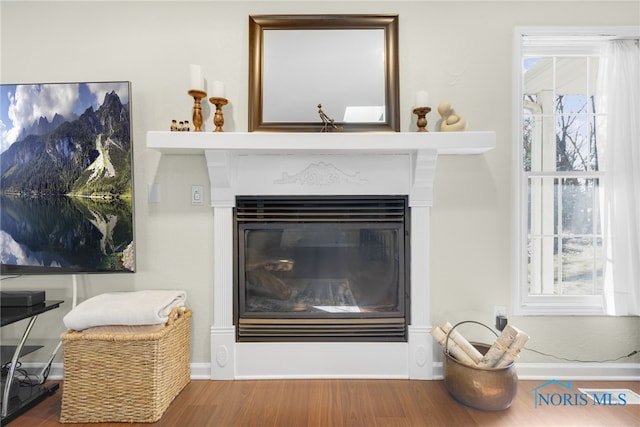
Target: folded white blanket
x=147, y=307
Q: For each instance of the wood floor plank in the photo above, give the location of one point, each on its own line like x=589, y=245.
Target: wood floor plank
x=292, y=405
x=325, y=405
x=353, y=403
x=357, y=404
x=385, y=400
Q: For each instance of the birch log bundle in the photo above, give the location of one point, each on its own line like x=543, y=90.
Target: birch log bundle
x=505, y=349
x=503, y=352
x=452, y=347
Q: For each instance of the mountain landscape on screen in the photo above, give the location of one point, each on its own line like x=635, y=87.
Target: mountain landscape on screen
x=66, y=178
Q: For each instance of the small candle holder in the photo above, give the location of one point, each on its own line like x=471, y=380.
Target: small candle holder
x=197, y=108
x=422, y=112
x=218, y=118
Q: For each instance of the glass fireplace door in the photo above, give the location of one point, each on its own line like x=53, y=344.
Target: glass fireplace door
x=320, y=270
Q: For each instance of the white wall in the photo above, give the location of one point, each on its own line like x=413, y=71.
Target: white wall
x=458, y=51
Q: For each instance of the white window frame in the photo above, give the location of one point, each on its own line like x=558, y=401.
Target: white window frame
x=573, y=42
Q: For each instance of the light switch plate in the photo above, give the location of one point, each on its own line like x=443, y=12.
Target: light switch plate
x=197, y=195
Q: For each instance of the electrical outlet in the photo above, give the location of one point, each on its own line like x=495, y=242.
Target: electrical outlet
x=500, y=316
x=196, y=195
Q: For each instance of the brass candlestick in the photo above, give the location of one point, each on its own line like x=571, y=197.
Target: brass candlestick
x=422, y=112
x=197, y=108
x=218, y=118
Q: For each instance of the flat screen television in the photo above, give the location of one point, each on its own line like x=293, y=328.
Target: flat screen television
x=66, y=178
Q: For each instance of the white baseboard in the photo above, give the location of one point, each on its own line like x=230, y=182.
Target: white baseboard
x=569, y=371
x=199, y=371
x=526, y=371
x=579, y=371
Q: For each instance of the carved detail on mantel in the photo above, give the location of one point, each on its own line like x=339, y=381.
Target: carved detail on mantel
x=321, y=173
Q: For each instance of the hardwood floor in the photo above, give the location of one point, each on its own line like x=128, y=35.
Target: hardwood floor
x=370, y=403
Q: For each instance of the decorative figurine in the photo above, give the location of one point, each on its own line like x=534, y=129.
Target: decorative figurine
x=327, y=122
x=181, y=126
x=451, y=121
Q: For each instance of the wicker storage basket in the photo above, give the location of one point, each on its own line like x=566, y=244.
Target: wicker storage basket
x=125, y=377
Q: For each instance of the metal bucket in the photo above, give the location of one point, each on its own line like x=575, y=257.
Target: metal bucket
x=486, y=389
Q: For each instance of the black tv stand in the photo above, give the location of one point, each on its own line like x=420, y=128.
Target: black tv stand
x=16, y=397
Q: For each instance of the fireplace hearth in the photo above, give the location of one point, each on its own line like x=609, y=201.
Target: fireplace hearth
x=330, y=268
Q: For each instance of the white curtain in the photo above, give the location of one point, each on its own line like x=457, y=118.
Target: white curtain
x=620, y=94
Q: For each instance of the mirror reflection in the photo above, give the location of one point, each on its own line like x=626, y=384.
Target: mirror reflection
x=341, y=69
x=345, y=63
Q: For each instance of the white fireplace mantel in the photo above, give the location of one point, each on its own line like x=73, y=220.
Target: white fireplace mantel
x=269, y=163
x=377, y=155
x=196, y=143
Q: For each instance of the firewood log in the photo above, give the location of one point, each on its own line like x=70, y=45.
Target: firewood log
x=514, y=350
x=453, y=348
x=269, y=283
x=465, y=345
x=508, y=344
x=268, y=263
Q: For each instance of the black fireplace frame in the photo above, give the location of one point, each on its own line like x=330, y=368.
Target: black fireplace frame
x=375, y=212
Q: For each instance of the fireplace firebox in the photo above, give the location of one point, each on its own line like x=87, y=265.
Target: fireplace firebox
x=330, y=268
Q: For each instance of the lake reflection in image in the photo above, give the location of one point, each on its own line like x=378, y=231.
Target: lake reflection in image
x=66, y=232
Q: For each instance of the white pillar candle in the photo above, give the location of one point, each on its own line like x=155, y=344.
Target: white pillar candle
x=217, y=91
x=422, y=99
x=197, y=82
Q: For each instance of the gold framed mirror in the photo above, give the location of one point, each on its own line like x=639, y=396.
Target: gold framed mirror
x=346, y=63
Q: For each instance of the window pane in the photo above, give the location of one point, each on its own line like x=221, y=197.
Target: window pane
x=571, y=79
x=575, y=142
x=578, y=206
x=578, y=273
x=596, y=207
x=571, y=104
x=543, y=206
x=576, y=77
x=581, y=266
x=539, y=145
x=542, y=268
x=528, y=134
x=564, y=250
x=599, y=265
x=538, y=75
x=593, y=66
